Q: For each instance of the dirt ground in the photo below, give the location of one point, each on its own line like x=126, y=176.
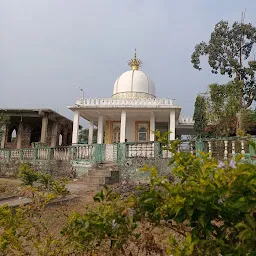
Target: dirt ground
x=57, y=215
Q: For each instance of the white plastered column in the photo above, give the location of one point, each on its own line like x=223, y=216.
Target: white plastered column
x=3, y=140
x=54, y=134
x=44, y=129
x=100, y=130
x=19, y=135
x=90, y=137
x=123, y=126
x=152, y=126
x=172, y=125
x=75, y=127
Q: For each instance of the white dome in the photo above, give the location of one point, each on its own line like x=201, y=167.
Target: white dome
x=134, y=84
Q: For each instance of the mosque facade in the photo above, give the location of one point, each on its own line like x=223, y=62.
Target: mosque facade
x=133, y=112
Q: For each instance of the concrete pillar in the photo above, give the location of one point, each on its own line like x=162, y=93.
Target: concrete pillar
x=75, y=127
x=54, y=138
x=19, y=135
x=123, y=126
x=90, y=136
x=4, y=134
x=152, y=126
x=172, y=125
x=65, y=137
x=69, y=138
x=44, y=129
x=100, y=130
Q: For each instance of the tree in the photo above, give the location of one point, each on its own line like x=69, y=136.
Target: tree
x=215, y=113
x=228, y=51
x=199, y=116
x=222, y=106
x=249, y=121
x=84, y=134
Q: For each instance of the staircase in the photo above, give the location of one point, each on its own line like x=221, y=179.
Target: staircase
x=81, y=168
x=101, y=174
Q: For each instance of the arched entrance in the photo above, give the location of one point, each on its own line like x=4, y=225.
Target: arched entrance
x=116, y=135
x=60, y=142
x=12, y=134
x=35, y=134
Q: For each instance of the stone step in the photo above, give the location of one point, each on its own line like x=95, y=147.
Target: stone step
x=101, y=174
x=106, y=166
x=95, y=180
x=112, y=168
x=81, y=164
x=105, y=173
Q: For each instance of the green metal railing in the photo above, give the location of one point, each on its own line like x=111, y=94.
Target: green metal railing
x=75, y=152
x=222, y=148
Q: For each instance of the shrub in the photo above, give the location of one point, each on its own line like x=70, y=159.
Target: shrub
x=45, y=180
x=27, y=174
x=23, y=231
x=110, y=224
x=59, y=187
x=210, y=209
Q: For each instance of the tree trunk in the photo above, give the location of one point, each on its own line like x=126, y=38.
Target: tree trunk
x=239, y=124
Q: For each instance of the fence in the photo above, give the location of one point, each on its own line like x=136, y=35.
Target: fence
x=226, y=148
x=77, y=152
x=154, y=149
x=218, y=148
x=221, y=149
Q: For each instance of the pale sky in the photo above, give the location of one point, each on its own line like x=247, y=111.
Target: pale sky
x=49, y=48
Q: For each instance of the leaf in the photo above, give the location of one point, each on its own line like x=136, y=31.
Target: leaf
x=98, y=197
x=201, y=219
x=245, y=234
x=241, y=225
x=253, y=145
x=188, y=238
x=251, y=221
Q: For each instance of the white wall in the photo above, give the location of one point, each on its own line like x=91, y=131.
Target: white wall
x=109, y=152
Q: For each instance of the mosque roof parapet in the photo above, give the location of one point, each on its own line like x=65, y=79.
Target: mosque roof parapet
x=129, y=103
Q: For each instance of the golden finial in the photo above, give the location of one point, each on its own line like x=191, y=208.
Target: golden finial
x=135, y=63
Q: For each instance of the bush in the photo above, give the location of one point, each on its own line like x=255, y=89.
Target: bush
x=210, y=209
x=45, y=181
x=59, y=187
x=23, y=231
x=27, y=174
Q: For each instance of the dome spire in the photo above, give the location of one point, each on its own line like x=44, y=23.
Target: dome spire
x=135, y=63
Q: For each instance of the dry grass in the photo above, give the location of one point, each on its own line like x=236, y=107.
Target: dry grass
x=9, y=187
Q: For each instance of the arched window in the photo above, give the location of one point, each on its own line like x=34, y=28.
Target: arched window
x=60, y=139
x=116, y=135
x=142, y=134
x=12, y=134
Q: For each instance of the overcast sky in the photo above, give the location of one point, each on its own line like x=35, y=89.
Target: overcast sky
x=49, y=48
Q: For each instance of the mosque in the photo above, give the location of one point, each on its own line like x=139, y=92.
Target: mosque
x=133, y=112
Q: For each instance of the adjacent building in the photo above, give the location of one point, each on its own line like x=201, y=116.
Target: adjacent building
x=27, y=127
